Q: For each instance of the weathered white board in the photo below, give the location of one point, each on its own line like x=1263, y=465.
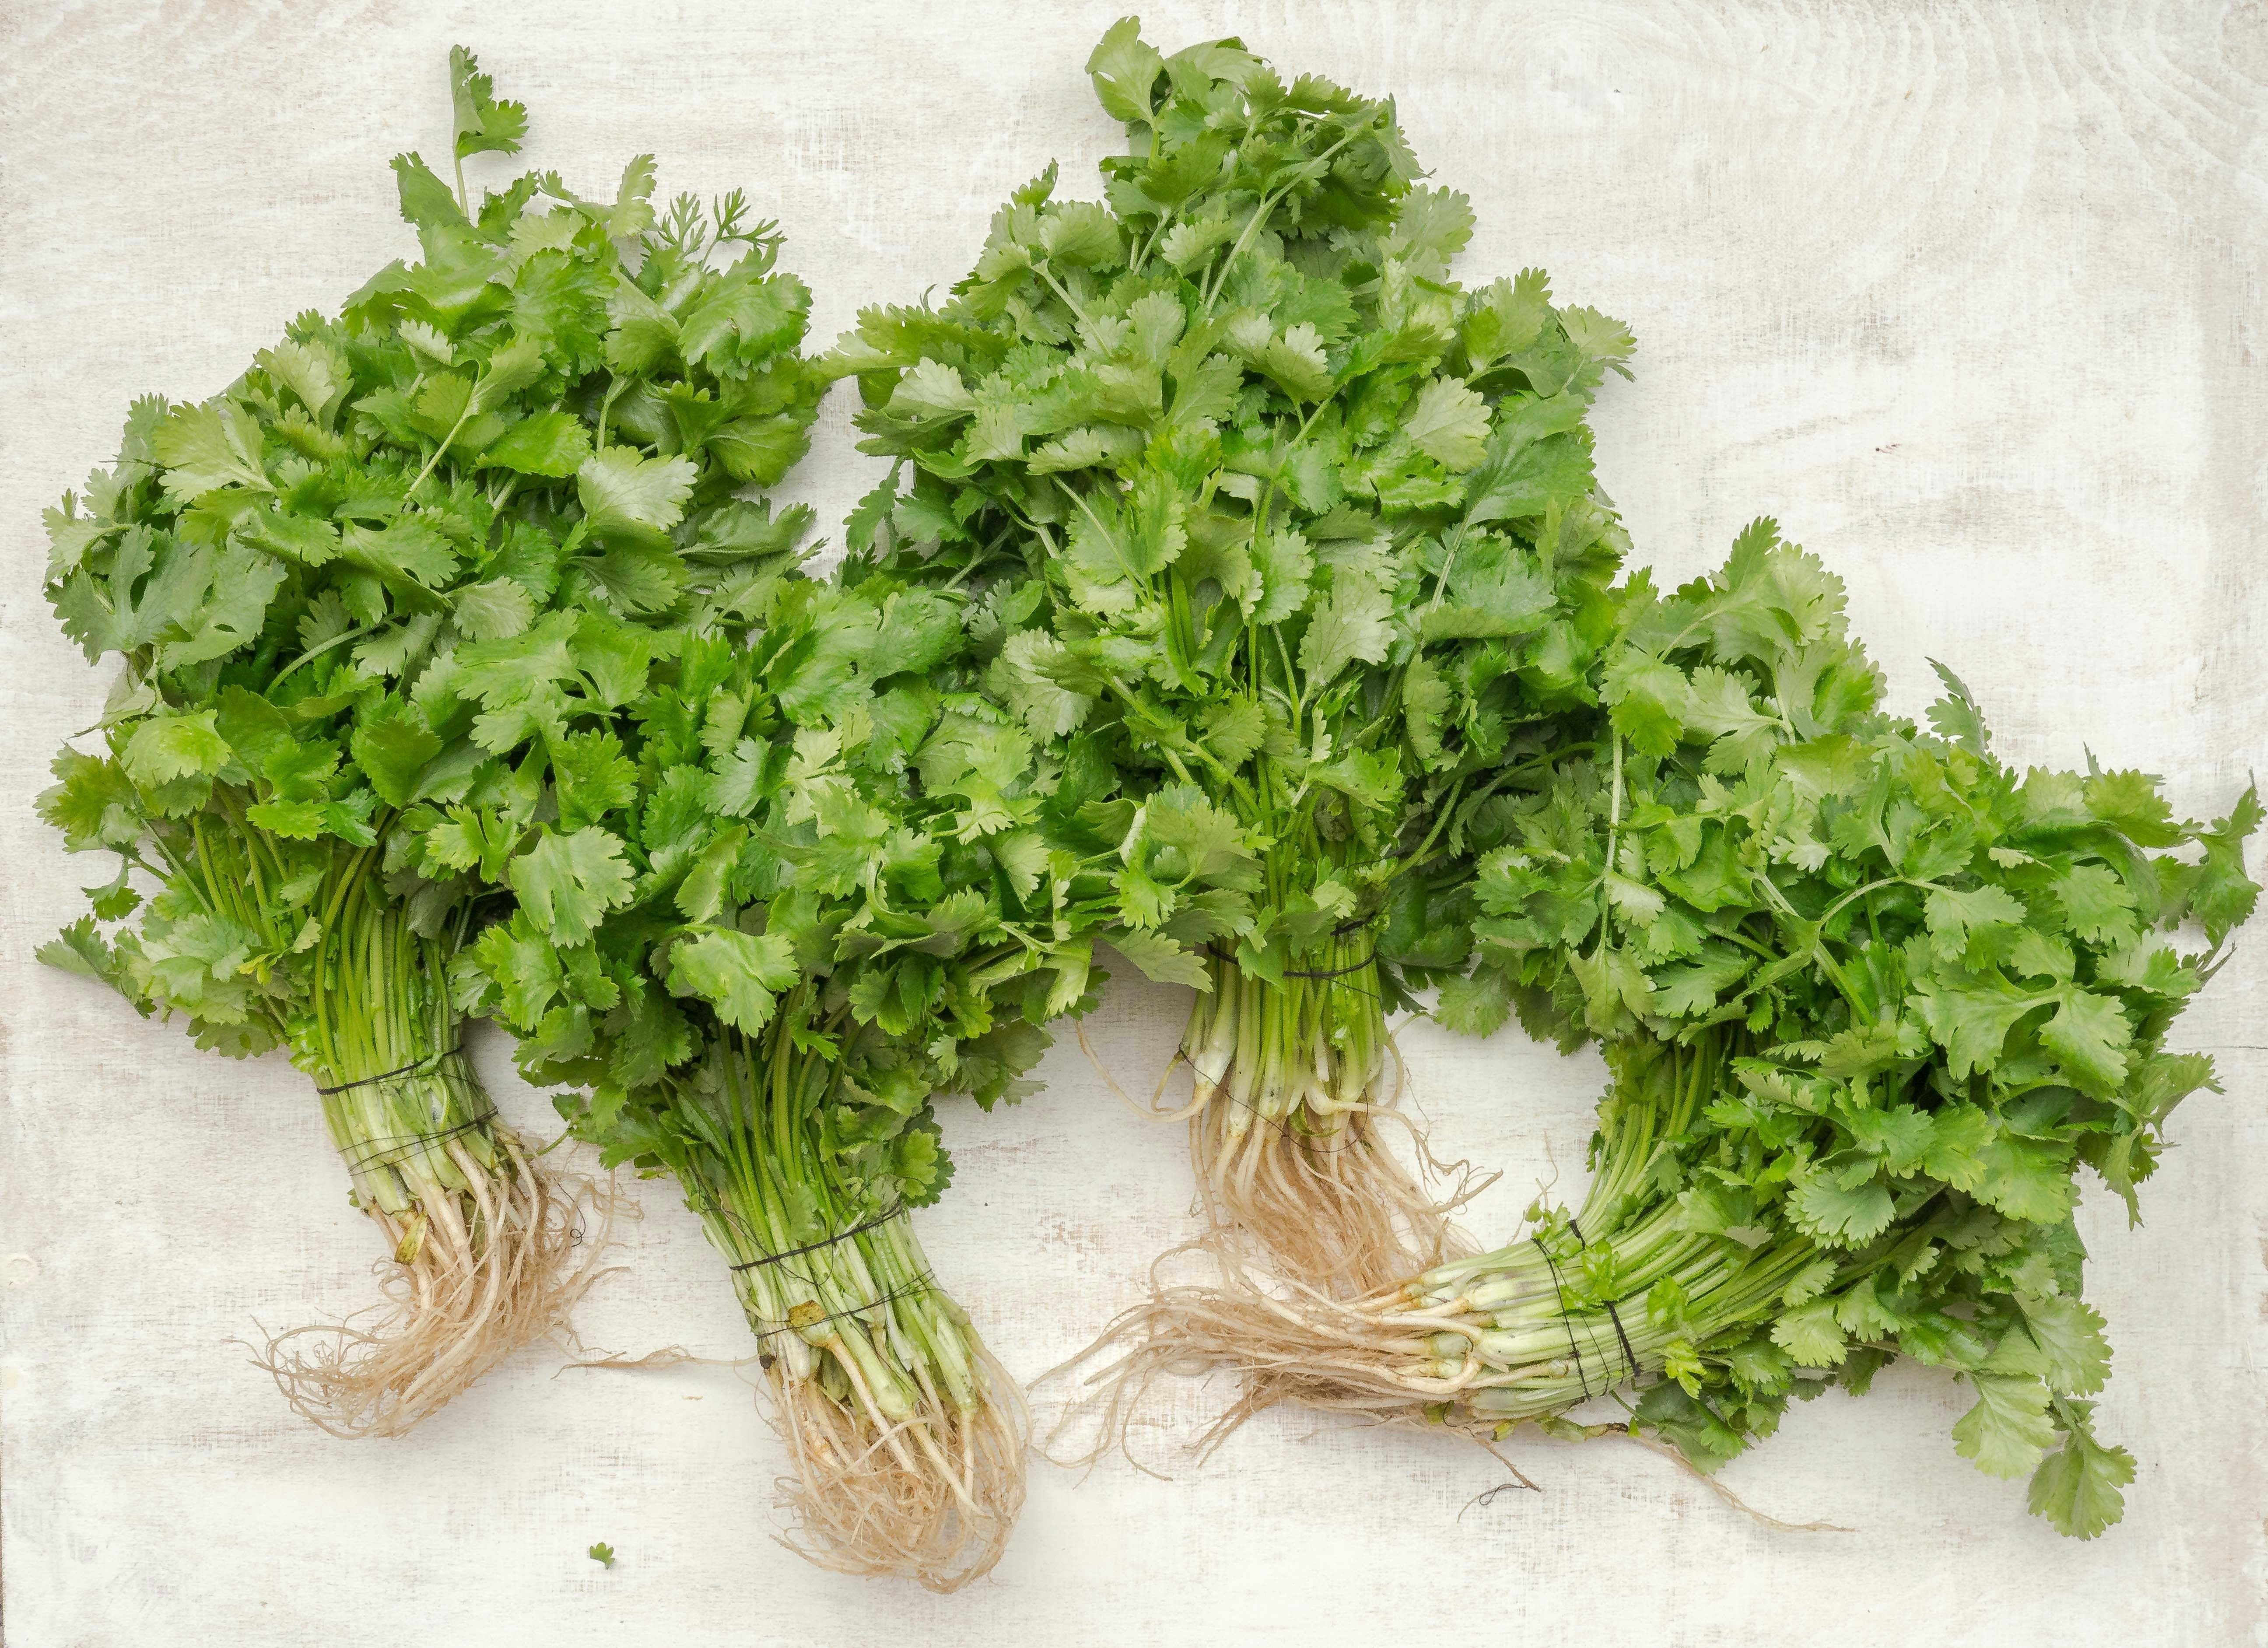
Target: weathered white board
x=1969, y=296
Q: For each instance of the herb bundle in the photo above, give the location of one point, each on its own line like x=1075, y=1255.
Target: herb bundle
x=419, y=556
x=807, y=955
x=1869, y=997
x=820, y=913
x=1291, y=552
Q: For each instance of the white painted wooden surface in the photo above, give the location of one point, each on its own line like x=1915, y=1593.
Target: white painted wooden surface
x=1969, y=296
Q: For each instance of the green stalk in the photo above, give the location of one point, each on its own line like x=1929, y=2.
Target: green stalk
x=834, y=1283
x=384, y=1041
x=1519, y=1333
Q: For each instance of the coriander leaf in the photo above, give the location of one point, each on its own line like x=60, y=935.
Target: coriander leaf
x=740, y=972
x=567, y=883
x=1161, y=959
x=1449, y=424
x=1125, y=68
x=2008, y=1429
x=2089, y=1035
x=174, y=745
x=552, y=444
x=2077, y=1487
x=483, y=124
x=1354, y=625
x=631, y=499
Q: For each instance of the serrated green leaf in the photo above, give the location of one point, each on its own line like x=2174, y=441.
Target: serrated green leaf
x=739, y=973
x=567, y=883
x=2007, y=1431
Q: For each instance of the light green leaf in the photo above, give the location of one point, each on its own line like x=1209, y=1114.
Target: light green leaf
x=391, y=750
x=495, y=610
x=173, y=745
x=2077, y=1487
x=567, y=883
x=739, y=973
x=1839, y=1216
x=1810, y=1336
x=1449, y=424
x=1475, y=1004
x=1354, y=625
x=483, y=124
x=205, y=448
x=1954, y=917
x=2074, y=1354
x=1162, y=960
x=630, y=498
x=1125, y=68
x=2089, y=1036
x=402, y=552
x=931, y=390
x=2008, y=1429
x=552, y=444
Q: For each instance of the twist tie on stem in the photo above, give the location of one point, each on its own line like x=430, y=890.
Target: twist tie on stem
x=883, y=1217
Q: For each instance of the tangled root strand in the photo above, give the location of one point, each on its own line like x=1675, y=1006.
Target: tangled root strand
x=492, y=1267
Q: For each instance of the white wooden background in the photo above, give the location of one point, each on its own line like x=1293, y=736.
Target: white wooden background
x=1968, y=295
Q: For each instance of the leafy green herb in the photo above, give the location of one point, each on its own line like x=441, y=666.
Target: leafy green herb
x=602, y=1554
x=1870, y=999
x=793, y=896
x=412, y=563
x=1289, y=551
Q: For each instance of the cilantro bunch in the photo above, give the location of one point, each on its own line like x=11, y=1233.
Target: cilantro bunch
x=420, y=556
x=1290, y=549
x=1869, y=997
x=817, y=913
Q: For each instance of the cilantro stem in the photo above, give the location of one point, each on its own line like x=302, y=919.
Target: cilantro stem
x=1041, y=268
x=442, y=447
x=1261, y=212
x=317, y=651
x=606, y=406
x=1448, y=557
x=1615, y=816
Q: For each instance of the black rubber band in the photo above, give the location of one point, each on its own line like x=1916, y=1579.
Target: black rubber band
x=1565, y=1320
x=1340, y=931
x=918, y=1285
x=1333, y=972
x=388, y=1075
x=393, y=1148
x=1615, y=1317
x=883, y=1217
x=1613, y=1314
x=1246, y=1103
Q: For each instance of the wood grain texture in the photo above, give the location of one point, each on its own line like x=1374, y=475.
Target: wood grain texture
x=1969, y=296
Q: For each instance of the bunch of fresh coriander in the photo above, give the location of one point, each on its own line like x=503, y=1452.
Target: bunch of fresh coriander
x=421, y=556
x=1869, y=997
x=823, y=916
x=1290, y=550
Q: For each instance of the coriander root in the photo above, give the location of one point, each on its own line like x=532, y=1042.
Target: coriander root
x=475, y=1272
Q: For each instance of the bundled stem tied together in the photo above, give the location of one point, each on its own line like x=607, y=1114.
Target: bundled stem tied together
x=1291, y=1088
